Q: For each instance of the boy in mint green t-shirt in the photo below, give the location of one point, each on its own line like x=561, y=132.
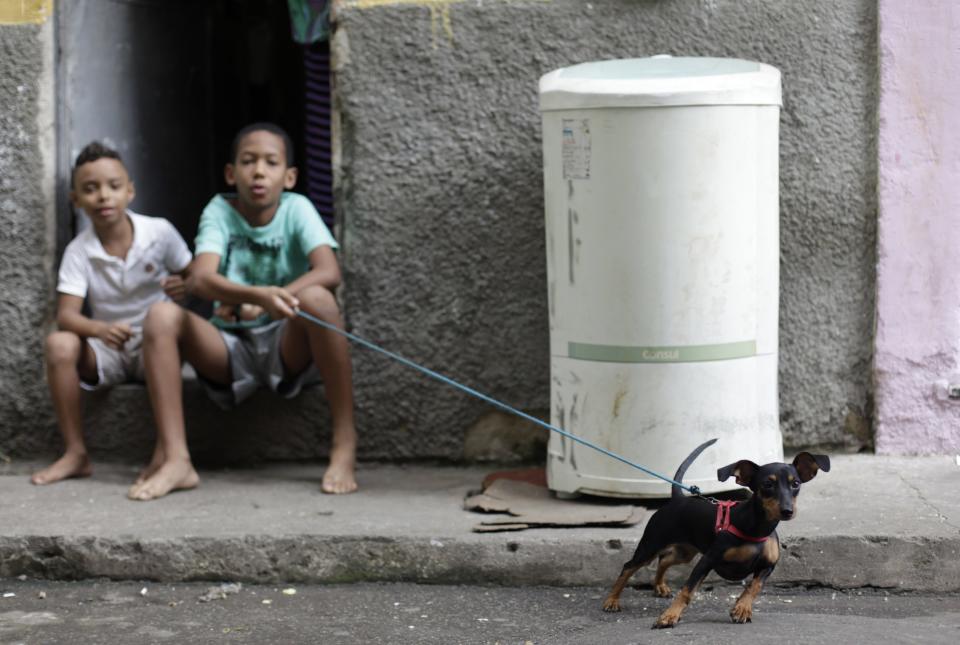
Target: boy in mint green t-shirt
x=261, y=254
x=273, y=254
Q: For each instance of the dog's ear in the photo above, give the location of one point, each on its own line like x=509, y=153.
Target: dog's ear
x=743, y=470
x=807, y=465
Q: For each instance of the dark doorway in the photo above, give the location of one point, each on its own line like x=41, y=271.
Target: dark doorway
x=169, y=82
x=257, y=74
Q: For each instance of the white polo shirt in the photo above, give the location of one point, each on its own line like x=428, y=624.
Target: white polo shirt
x=121, y=290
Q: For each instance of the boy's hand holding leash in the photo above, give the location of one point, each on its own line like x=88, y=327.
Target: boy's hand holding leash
x=278, y=302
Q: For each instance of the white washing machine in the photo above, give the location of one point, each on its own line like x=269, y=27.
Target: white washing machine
x=662, y=231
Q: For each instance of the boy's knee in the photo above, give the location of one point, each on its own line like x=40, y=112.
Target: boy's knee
x=62, y=347
x=163, y=318
x=319, y=301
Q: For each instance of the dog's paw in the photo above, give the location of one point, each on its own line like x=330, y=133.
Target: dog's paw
x=662, y=590
x=667, y=619
x=742, y=613
x=611, y=604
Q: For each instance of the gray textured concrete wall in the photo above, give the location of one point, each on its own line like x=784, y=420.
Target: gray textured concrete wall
x=442, y=209
x=26, y=221
x=441, y=213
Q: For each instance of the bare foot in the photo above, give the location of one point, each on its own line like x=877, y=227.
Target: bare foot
x=172, y=475
x=69, y=465
x=339, y=478
x=155, y=462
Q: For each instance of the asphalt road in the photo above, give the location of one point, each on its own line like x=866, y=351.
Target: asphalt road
x=94, y=612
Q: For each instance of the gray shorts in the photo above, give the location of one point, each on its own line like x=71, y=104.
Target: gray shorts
x=115, y=366
x=255, y=362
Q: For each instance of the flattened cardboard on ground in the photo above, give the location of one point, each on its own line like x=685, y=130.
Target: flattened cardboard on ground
x=499, y=528
x=528, y=505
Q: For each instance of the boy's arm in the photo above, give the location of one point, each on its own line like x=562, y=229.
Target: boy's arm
x=205, y=281
x=177, y=259
x=324, y=271
x=70, y=318
x=175, y=285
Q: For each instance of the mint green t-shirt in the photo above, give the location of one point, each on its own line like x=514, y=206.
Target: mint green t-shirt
x=271, y=255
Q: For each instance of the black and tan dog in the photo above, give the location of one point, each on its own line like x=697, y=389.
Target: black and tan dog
x=736, y=538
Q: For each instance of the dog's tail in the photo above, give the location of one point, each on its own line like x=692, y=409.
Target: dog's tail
x=676, y=491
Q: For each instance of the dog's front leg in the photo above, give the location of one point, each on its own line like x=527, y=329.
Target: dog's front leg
x=742, y=611
x=671, y=616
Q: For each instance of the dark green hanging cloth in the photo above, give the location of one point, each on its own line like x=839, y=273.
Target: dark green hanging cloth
x=309, y=20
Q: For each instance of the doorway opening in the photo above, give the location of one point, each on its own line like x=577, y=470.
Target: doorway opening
x=169, y=82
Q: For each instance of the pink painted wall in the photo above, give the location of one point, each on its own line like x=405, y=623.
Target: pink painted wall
x=918, y=260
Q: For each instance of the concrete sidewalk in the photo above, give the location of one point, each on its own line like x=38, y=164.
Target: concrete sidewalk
x=871, y=522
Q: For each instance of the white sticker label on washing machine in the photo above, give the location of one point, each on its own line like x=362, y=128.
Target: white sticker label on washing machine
x=576, y=148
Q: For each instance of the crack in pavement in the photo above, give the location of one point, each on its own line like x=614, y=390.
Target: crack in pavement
x=943, y=518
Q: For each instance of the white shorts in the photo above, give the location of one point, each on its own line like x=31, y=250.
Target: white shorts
x=255, y=362
x=115, y=366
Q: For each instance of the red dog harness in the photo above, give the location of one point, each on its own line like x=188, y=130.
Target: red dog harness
x=723, y=523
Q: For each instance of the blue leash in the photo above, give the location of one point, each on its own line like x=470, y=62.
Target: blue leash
x=694, y=490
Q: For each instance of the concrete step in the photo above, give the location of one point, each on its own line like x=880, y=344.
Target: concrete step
x=119, y=426
x=871, y=522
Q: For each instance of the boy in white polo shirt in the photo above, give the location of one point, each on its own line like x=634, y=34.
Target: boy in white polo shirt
x=121, y=265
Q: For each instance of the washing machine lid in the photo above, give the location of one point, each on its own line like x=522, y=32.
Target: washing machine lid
x=660, y=81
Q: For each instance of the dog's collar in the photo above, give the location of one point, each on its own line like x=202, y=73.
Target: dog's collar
x=723, y=523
